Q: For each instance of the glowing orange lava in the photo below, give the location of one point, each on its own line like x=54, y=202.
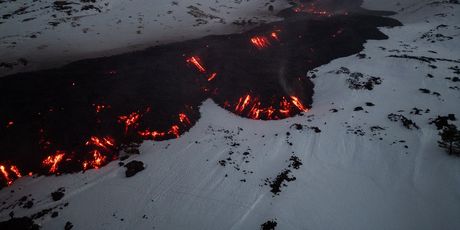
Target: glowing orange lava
x=184, y=119
x=5, y=174
x=104, y=142
x=15, y=170
x=129, y=120
x=274, y=35
x=284, y=107
x=311, y=9
x=53, y=161
x=174, y=130
x=212, y=76
x=260, y=42
x=195, y=60
x=97, y=161
x=100, y=108
x=298, y=104
x=242, y=103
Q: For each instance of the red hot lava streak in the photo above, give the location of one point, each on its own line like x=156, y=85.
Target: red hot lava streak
x=105, y=142
x=184, y=119
x=242, y=103
x=256, y=111
x=212, y=76
x=5, y=174
x=15, y=170
x=298, y=104
x=260, y=42
x=53, y=161
x=174, y=130
x=196, y=61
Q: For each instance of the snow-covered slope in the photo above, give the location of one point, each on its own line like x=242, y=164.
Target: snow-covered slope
x=360, y=170
x=46, y=34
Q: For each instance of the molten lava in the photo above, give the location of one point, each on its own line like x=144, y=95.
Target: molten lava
x=242, y=103
x=5, y=174
x=147, y=134
x=174, y=130
x=298, y=104
x=311, y=9
x=105, y=142
x=97, y=161
x=212, y=76
x=15, y=170
x=100, y=108
x=260, y=42
x=256, y=111
x=184, y=119
x=53, y=161
x=196, y=61
x=129, y=120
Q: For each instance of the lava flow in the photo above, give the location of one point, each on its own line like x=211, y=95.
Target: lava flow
x=82, y=113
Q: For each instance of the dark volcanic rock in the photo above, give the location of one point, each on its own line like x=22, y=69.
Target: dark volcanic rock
x=133, y=167
x=279, y=181
x=269, y=225
x=23, y=223
x=443, y=121
x=68, y=225
x=409, y=124
x=57, y=195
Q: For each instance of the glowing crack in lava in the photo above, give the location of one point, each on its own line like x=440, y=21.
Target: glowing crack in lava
x=196, y=61
x=129, y=120
x=212, y=76
x=253, y=108
x=260, y=42
x=53, y=161
x=82, y=113
x=97, y=161
x=105, y=142
x=173, y=131
x=6, y=175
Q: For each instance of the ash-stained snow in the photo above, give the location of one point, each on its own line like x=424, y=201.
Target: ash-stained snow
x=359, y=169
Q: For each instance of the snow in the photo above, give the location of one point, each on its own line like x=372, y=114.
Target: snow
x=347, y=181
x=130, y=25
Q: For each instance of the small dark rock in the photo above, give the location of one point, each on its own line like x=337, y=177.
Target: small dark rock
x=68, y=225
x=269, y=225
x=57, y=195
x=133, y=167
